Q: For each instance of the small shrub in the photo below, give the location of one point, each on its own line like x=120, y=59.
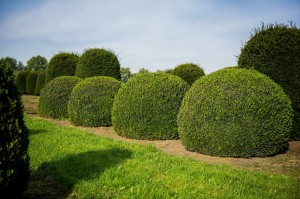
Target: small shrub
x=147, y=105
x=189, y=72
x=55, y=96
x=274, y=50
x=40, y=82
x=91, y=101
x=21, y=78
x=237, y=113
x=98, y=62
x=14, y=159
x=31, y=82
x=61, y=64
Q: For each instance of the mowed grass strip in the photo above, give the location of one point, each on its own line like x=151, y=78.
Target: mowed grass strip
x=89, y=166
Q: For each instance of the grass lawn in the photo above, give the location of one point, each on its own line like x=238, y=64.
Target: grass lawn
x=70, y=163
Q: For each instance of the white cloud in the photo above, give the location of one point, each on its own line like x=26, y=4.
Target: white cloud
x=150, y=34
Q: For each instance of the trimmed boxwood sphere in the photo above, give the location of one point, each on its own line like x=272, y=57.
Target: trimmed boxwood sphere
x=98, y=62
x=147, y=105
x=237, y=113
x=40, y=82
x=55, y=96
x=21, y=81
x=31, y=82
x=274, y=50
x=61, y=64
x=189, y=72
x=14, y=158
x=91, y=101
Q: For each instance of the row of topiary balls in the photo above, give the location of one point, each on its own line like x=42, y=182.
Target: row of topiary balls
x=231, y=112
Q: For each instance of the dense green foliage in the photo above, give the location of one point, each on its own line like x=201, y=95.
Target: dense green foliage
x=91, y=101
x=125, y=74
x=37, y=63
x=189, y=72
x=146, y=106
x=40, y=82
x=235, y=112
x=91, y=166
x=21, y=81
x=31, y=82
x=61, y=64
x=14, y=159
x=12, y=62
x=275, y=51
x=55, y=96
x=98, y=62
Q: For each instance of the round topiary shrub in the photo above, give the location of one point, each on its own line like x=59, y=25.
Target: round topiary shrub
x=40, y=82
x=55, y=96
x=14, y=159
x=31, y=82
x=274, y=50
x=98, y=62
x=91, y=101
x=147, y=105
x=189, y=72
x=61, y=64
x=21, y=81
x=236, y=113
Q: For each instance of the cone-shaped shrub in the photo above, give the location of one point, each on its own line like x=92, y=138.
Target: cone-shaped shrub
x=40, y=82
x=21, y=81
x=189, y=72
x=235, y=112
x=55, y=96
x=31, y=82
x=98, y=62
x=274, y=50
x=91, y=101
x=14, y=159
x=61, y=64
x=147, y=105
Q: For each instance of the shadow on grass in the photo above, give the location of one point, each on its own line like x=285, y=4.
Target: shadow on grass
x=56, y=179
x=36, y=131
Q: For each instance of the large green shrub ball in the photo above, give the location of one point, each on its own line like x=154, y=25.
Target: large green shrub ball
x=21, y=81
x=98, y=62
x=61, y=64
x=147, y=105
x=31, y=82
x=55, y=96
x=275, y=51
x=189, y=72
x=91, y=101
x=14, y=159
x=236, y=113
x=40, y=82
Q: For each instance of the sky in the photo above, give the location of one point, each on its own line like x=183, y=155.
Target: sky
x=150, y=34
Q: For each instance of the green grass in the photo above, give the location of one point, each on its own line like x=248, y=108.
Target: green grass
x=70, y=163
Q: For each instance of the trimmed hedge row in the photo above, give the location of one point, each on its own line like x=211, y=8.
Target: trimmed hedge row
x=31, y=82
x=40, y=82
x=91, y=101
x=55, y=97
x=237, y=113
x=189, y=72
x=147, y=105
x=21, y=81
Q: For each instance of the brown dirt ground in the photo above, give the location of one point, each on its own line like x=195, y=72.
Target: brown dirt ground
x=287, y=163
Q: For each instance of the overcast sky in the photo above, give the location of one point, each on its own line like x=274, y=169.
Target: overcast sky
x=151, y=34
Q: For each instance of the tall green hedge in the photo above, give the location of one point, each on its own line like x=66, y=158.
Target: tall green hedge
x=40, y=82
x=189, y=72
x=61, y=64
x=236, y=113
x=275, y=51
x=98, y=62
x=21, y=81
x=31, y=82
x=55, y=96
x=91, y=101
x=147, y=105
x=14, y=159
